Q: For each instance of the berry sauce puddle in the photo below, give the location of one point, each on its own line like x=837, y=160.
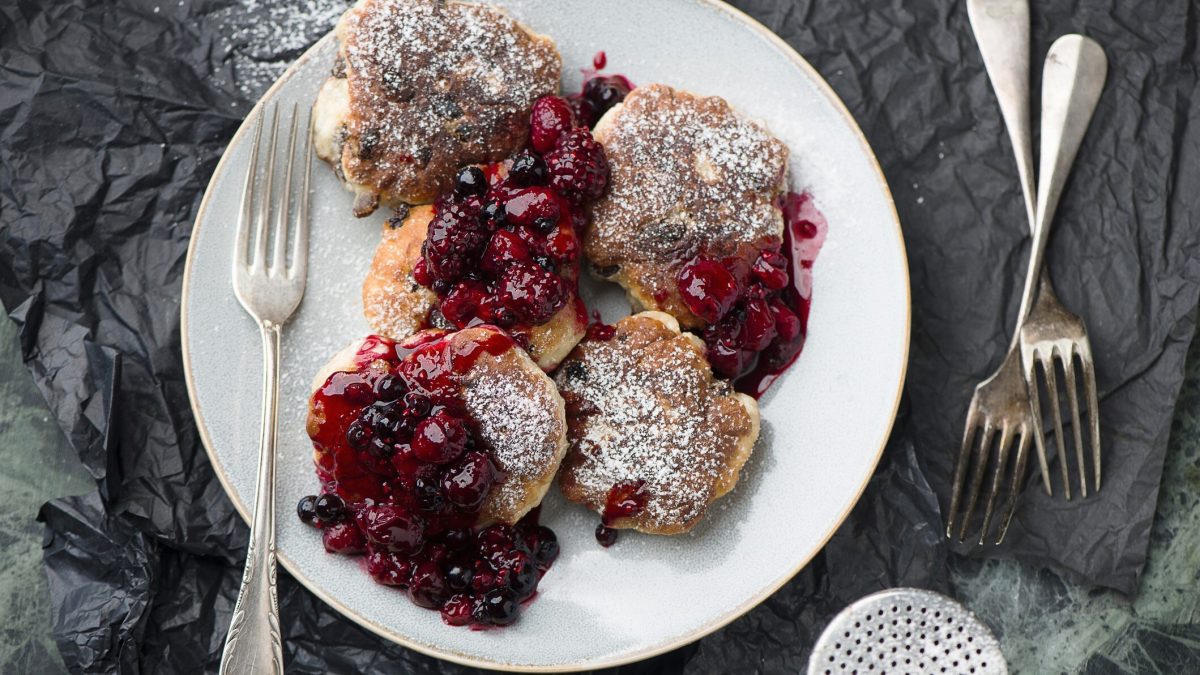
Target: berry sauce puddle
x=404, y=477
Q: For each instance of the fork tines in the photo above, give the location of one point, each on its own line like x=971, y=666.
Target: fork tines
x=270, y=287
x=988, y=451
x=1067, y=357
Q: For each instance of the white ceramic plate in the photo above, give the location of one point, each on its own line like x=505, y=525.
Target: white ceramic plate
x=824, y=423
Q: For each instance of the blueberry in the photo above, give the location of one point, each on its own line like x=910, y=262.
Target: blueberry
x=527, y=169
x=358, y=435
x=500, y=606
x=430, y=496
x=604, y=92
x=387, y=426
x=523, y=579
x=607, y=536
x=458, y=577
x=457, y=539
x=389, y=388
x=416, y=404
x=329, y=508
x=307, y=509
x=492, y=215
x=547, y=546
x=470, y=181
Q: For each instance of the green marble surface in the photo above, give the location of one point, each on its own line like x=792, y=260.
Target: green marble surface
x=37, y=465
x=1045, y=624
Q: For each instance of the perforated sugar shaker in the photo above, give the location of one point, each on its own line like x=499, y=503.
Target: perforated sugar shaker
x=907, y=630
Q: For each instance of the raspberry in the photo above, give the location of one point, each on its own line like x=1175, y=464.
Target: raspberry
x=563, y=245
x=533, y=207
x=532, y=293
x=504, y=249
x=787, y=324
x=461, y=305
x=457, y=610
x=770, y=270
x=578, y=166
x=551, y=116
x=427, y=588
x=584, y=111
x=495, y=313
x=467, y=483
x=454, y=239
x=388, y=568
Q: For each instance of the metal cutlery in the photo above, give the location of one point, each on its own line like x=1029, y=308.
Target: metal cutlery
x=270, y=290
x=1002, y=404
x=1051, y=335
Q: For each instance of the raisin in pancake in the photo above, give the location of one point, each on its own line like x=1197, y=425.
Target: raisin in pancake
x=396, y=306
x=423, y=87
x=643, y=408
x=688, y=176
x=514, y=410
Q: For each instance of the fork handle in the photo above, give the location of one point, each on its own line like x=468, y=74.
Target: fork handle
x=253, y=643
x=1072, y=80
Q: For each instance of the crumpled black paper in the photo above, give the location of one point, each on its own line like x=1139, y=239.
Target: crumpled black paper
x=113, y=116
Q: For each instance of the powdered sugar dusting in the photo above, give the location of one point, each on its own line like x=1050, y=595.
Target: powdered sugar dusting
x=519, y=416
x=688, y=173
x=398, y=309
x=645, y=408
x=434, y=85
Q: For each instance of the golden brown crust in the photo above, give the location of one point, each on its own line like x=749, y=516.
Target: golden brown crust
x=644, y=407
x=396, y=306
x=688, y=175
x=430, y=86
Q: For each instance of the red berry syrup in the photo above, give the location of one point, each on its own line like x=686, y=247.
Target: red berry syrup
x=403, y=478
x=803, y=235
x=757, y=313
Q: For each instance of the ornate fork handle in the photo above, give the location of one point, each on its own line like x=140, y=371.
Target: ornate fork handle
x=253, y=644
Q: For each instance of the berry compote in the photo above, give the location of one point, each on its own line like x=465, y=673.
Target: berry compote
x=503, y=246
x=404, y=476
x=625, y=500
x=600, y=93
x=757, y=311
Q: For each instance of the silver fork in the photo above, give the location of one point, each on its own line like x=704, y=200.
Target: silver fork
x=1001, y=404
x=1050, y=333
x=270, y=291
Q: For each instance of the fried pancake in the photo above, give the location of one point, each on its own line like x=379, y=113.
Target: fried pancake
x=688, y=176
x=396, y=306
x=514, y=409
x=643, y=409
x=422, y=87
